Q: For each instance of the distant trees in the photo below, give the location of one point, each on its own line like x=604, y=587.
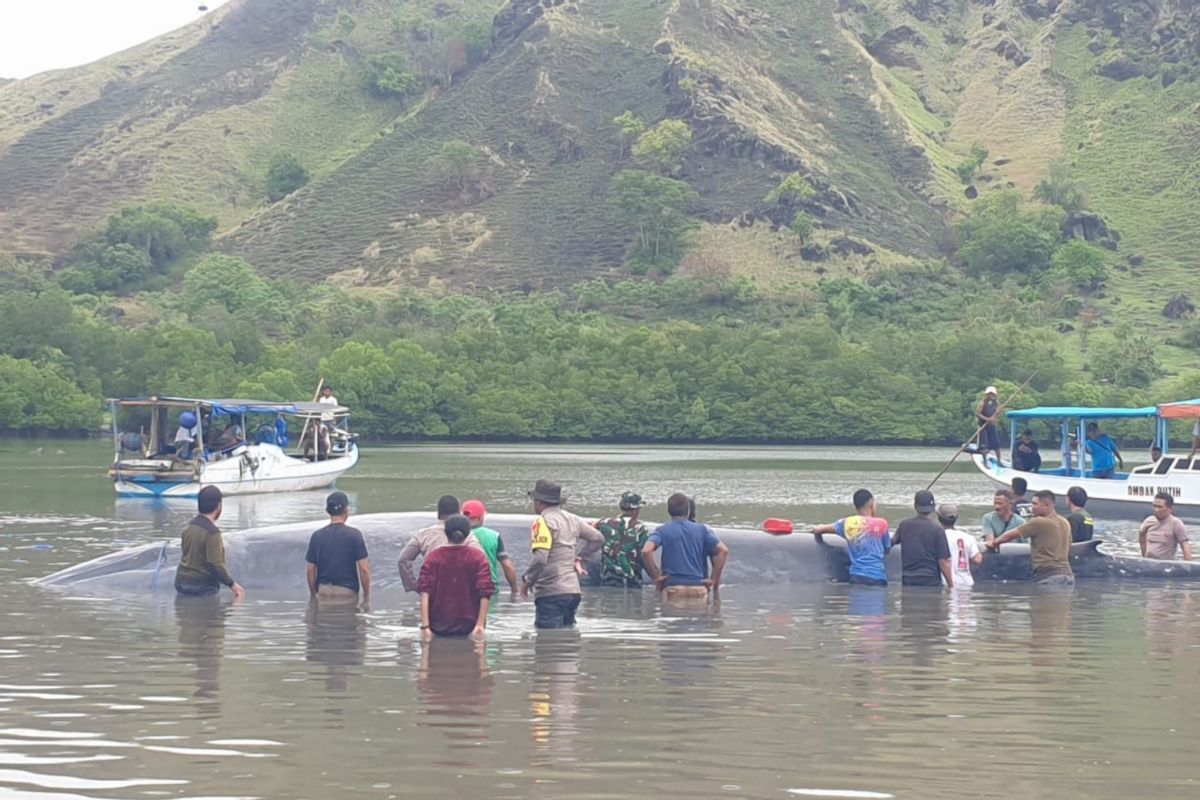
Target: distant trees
x=456, y=166
x=1003, y=236
x=655, y=208
x=662, y=146
x=792, y=190
x=443, y=49
x=1061, y=189
x=629, y=128
x=285, y=175
x=388, y=76
x=1079, y=264
x=969, y=166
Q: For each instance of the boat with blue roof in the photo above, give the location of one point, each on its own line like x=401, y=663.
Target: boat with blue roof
x=1124, y=493
x=171, y=446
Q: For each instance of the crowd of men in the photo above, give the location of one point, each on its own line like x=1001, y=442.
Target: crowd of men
x=463, y=559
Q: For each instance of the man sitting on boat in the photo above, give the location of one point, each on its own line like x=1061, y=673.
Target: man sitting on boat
x=1025, y=456
x=186, y=436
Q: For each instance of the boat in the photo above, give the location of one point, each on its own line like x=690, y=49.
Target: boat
x=1127, y=494
x=249, y=457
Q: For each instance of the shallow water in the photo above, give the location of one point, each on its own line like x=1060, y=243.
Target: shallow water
x=816, y=690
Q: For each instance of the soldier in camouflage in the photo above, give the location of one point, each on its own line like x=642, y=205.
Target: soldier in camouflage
x=624, y=538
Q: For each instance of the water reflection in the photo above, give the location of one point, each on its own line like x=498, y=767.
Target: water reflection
x=201, y=622
x=454, y=685
x=336, y=638
x=554, y=696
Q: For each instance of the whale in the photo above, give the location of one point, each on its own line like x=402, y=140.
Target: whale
x=270, y=560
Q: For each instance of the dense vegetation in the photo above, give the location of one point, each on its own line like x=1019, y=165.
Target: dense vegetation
x=893, y=357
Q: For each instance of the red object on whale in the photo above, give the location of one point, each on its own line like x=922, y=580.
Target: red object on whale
x=777, y=527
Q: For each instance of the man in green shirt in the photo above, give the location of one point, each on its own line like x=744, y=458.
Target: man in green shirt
x=202, y=569
x=492, y=544
x=624, y=538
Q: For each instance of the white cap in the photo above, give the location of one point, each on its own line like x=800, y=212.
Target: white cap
x=990, y=390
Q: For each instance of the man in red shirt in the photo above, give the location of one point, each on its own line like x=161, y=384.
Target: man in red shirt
x=455, y=585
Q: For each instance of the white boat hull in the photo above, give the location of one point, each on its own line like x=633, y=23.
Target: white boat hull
x=1126, y=497
x=256, y=469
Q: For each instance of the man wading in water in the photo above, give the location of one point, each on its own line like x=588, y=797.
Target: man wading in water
x=552, y=573
x=624, y=538
x=426, y=540
x=1049, y=543
x=202, y=568
x=867, y=540
x=337, y=557
x=924, y=550
x=687, y=547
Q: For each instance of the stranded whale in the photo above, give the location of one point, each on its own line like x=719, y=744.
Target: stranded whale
x=271, y=559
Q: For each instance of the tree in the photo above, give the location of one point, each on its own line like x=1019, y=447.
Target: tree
x=231, y=284
x=662, y=147
x=792, y=190
x=1003, y=237
x=629, y=127
x=969, y=166
x=285, y=175
x=456, y=165
x=388, y=76
x=1060, y=189
x=1079, y=264
x=801, y=226
x=43, y=396
x=164, y=232
x=656, y=208
x=1126, y=359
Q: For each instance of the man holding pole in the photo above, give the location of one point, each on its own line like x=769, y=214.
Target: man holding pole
x=986, y=413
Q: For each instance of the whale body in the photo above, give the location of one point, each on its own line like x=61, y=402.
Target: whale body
x=272, y=559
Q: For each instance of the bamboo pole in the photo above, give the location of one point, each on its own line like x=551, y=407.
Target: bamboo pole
x=304, y=431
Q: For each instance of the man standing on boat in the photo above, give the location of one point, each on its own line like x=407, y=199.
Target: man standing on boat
x=338, y=566
x=426, y=540
x=1002, y=518
x=868, y=540
x=1104, y=452
x=202, y=569
x=924, y=550
x=553, y=571
x=1162, y=533
x=987, y=414
x=1081, y=522
x=1049, y=543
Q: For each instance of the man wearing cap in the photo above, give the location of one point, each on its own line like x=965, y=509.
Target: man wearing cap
x=987, y=413
x=202, y=568
x=337, y=557
x=552, y=571
x=964, y=550
x=426, y=540
x=492, y=544
x=624, y=539
x=924, y=550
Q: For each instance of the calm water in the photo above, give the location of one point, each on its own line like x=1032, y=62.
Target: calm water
x=783, y=691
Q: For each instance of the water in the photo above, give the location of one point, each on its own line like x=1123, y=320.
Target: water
x=783, y=691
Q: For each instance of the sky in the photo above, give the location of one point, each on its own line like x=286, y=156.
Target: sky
x=37, y=35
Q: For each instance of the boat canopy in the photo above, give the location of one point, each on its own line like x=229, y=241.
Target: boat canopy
x=236, y=407
x=1083, y=412
x=1185, y=409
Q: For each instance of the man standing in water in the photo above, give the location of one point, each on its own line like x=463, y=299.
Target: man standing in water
x=426, y=540
x=337, y=557
x=924, y=551
x=202, y=568
x=687, y=547
x=1022, y=507
x=986, y=414
x=456, y=585
x=552, y=572
x=867, y=540
x=1049, y=543
x=964, y=550
x=492, y=544
x=1162, y=532
x=1081, y=522
x=1002, y=518
x=624, y=539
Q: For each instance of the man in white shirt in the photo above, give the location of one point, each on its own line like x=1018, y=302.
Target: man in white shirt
x=327, y=399
x=186, y=435
x=964, y=549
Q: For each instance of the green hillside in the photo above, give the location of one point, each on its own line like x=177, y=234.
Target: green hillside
x=847, y=166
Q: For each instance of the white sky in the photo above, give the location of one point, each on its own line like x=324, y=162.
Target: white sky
x=37, y=35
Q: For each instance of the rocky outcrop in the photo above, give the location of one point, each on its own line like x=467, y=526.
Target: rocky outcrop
x=895, y=48
x=514, y=19
x=1008, y=49
x=1178, y=307
x=1091, y=228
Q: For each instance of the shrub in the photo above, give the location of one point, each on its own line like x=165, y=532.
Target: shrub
x=285, y=175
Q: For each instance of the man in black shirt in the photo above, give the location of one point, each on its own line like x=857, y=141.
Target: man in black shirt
x=337, y=557
x=1025, y=455
x=1081, y=522
x=924, y=552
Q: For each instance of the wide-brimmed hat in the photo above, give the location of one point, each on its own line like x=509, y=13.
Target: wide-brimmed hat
x=631, y=500
x=990, y=390
x=547, y=492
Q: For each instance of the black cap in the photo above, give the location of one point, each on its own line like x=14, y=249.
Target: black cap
x=336, y=503
x=923, y=502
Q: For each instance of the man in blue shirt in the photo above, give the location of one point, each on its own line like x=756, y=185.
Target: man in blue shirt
x=1104, y=452
x=687, y=547
x=868, y=540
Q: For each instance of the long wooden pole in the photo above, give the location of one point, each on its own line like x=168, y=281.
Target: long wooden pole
x=979, y=430
x=304, y=431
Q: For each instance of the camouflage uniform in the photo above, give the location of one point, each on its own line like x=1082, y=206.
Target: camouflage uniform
x=621, y=557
